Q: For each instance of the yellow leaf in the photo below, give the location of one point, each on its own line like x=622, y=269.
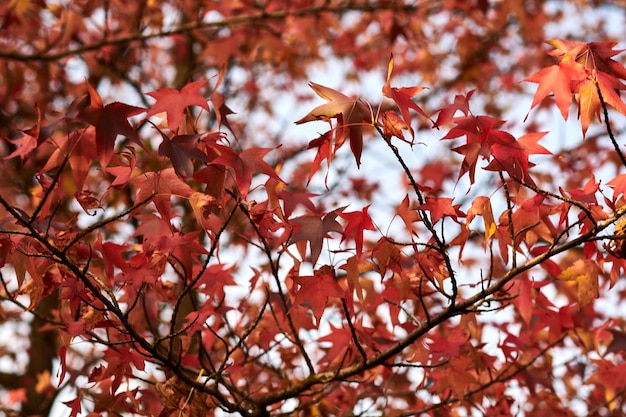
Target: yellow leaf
x=21, y=7
x=585, y=273
x=203, y=206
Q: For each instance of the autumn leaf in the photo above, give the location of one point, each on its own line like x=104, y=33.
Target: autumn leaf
x=589, y=100
x=324, y=152
x=481, y=206
x=556, y=80
x=442, y=207
x=292, y=200
x=403, y=98
x=408, y=214
x=351, y=115
x=164, y=182
x=314, y=229
x=122, y=172
x=182, y=150
x=480, y=133
x=222, y=111
x=33, y=137
x=314, y=291
x=446, y=113
x=619, y=186
x=358, y=222
x=244, y=165
x=174, y=103
x=587, y=194
x=74, y=406
x=584, y=273
x=203, y=206
x=393, y=125
x=109, y=120
x=583, y=68
x=81, y=146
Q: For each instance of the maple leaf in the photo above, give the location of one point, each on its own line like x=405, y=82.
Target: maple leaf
x=174, y=102
x=324, y=152
x=110, y=120
x=618, y=341
x=407, y=214
x=555, y=79
x=74, y=406
x=358, y=222
x=526, y=293
x=481, y=206
x=440, y=207
x=122, y=173
x=314, y=291
x=182, y=149
x=446, y=113
x=245, y=164
x=584, y=272
x=351, y=113
x=393, y=125
x=81, y=147
x=582, y=70
x=530, y=142
x=619, y=186
x=589, y=100
x=219, y=103
x=403, y=98
x=314, y=229
x=215, y=278
x=341, y=344
x=164, y=182
x=33, y=137
x=510, y=155
x=587, y=194
x=292, y=200
x=478, y=131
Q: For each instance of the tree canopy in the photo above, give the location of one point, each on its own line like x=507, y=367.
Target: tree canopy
x=312, y=208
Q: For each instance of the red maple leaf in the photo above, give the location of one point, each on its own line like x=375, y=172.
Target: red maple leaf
x=292, y=200
x=81, y=148
x=407, y=214
x=556, y=80
x=314, y=228
x=122, y=172
x=393, y=126
x=440, y=207
x=244, y=165
x=324, y=152
x=351, y=114
x=219, y=103
x=313, y=291
x=402, y=96
x=33, y=137
x=446, y=113
x=110, y=120
x=619, y=186
x=164, y=182
x=174, y=102
x=508, y=155
x=182, y=150
x=358, y=222
x=587, y=194
x=478, y=131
